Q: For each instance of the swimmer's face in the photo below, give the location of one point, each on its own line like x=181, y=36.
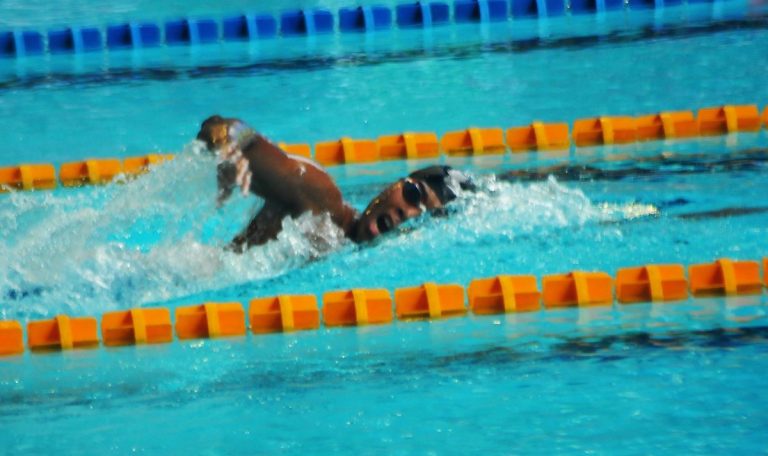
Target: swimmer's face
x=403, y=200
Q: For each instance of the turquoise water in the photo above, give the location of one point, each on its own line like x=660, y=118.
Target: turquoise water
x=299, y=90
x=680, y=377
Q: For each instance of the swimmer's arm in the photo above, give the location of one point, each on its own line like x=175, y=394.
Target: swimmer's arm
x=264, y=227
x=296, y=183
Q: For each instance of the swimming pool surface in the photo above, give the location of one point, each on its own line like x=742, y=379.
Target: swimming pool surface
x=680, y=378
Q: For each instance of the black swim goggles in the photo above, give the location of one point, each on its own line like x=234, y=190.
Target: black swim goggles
x=414, y=194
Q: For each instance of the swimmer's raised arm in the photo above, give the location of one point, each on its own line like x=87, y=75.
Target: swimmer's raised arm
x=293, y=183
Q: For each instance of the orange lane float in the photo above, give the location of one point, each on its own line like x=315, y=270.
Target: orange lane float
x=667, y=125
x=283, y=313
x=63, y=333
x=765, y=271
x=408, y=146
x=210, y=320
x=302, y=150
x=429, y=301
x=577, y=288
x=728, y=119
x=605, y=130
x=540, y=136
x=28, y=177
x=98, y=171
x=346, y=150
x=357, y=307
x=475, y=141
x=11, y=338
x=134, y=166
x=662, y=282
x=725, y=276
x=499, y=294
x=136, y=326
x=504, y=293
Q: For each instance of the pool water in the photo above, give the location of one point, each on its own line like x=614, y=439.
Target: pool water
x=679, y=377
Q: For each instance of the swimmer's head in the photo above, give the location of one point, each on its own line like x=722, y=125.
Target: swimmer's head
x=428, y=189
x=218, y=133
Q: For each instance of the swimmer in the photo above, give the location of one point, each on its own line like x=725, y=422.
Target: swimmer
x=291, y=185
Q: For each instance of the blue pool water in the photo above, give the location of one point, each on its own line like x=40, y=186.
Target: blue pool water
x=679, y=378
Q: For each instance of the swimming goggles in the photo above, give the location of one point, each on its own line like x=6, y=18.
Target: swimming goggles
x=413, y=193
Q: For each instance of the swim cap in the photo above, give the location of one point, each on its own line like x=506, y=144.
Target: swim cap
x=445, y=181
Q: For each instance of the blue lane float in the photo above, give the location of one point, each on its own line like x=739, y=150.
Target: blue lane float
x=21, y=43
x=422, y=14
x=537, y=8
x=249, y=27
x=655, y=4
x=74, y=39
x=595, y=6
x=365, y=18
x=306, y=22
x=191, y=31
x=133, y=35
x=480, y=11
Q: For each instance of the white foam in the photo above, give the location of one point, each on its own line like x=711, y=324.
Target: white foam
x=153, y=239
x=160, y=237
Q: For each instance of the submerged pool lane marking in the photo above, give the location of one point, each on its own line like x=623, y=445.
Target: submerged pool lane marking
x=597, y=131
x=357, y=307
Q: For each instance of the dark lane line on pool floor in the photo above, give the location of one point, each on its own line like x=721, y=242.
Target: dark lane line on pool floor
x=656, y=166
x=289, y=377
x=121, y=75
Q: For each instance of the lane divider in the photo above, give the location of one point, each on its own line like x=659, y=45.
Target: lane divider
x=474, y=141
x=357, y=307
x=88, y=172
x=577, y=289
x=429, y=301
x=136, y=326
x=28, y=177
x=409, y=145
x=604, y=130
x=251, y=26
x=538, y=136
x=653, y=283
x=725, y=277
x=284, y=313
x=210, y=320
x=62, y=332
x=11, y=338
x=504, y=293
x=726, y=119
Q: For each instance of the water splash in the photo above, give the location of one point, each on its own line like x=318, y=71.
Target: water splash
x=510, y=210
x=160, y=237
x=127, y=244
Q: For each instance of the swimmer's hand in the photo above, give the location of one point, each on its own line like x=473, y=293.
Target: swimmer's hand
x=230, y=173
